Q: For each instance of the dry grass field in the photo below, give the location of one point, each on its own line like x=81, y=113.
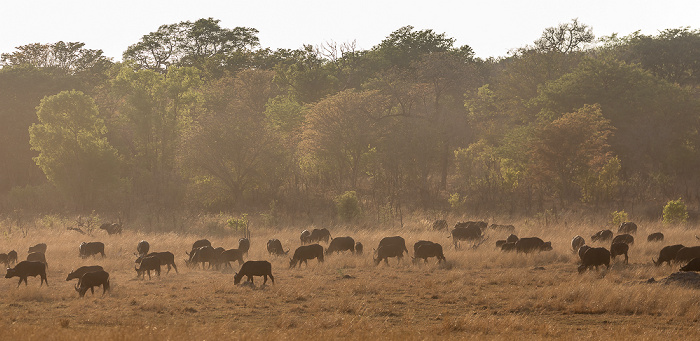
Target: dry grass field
x=481, y=294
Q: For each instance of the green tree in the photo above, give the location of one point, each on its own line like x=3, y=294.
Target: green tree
x=73, y=150
x=71, y=58
x=675, y=212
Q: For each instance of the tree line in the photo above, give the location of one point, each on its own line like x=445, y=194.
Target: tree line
x=201, y=117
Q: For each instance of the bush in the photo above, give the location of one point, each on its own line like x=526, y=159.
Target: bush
x=675, y=212
x=619, y=217
x=348, y=206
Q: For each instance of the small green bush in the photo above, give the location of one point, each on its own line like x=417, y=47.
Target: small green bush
x=675, y=212
x=618, y=217
x=348, y=206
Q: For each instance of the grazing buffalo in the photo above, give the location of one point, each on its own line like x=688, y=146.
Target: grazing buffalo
x=90, y=249
x=386, y=251
x=655, y=237
x=500, y=243
x=512, y=238
x=244, y=245
x=693, y=265
x=166, y=258
x=37, y=248
x=255, y=268
x=582, y=250
x=627, y=227
x=470, y=233
x=687, y=253
x=112, y=228
x=595, y=256
x=577, y=242
x=146, y=265
x=12, y=257
x=27, y=268
x=306, y=252
x=305, y=237
x=231, y=255
x=37, y=257
x=602, y=235
x=526, y=245
x=508, y=247
x=668, y=254
x=426, y=249
x=79, y=272
x=204, y=254
x=502, y=228
x=440, y=225
x=318, y=235
x=274, y=247
x=395, y=240
x=623, y=238
x=93, y=279
x=142, y=248
x=359, y=248
x=339, y=244
x=200, y=243
x=217, y=259
x=619, y=249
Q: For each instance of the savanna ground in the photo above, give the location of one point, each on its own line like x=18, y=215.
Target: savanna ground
x=481, y=293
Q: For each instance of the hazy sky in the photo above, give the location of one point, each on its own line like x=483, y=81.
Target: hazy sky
x=490, y=27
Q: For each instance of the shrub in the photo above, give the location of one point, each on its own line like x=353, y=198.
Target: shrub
x=619, y=217
x=348, y=206
x=675, y=212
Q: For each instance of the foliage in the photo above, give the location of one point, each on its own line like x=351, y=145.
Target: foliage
x=565, y=38
x=618, y=217
x=348, y=206
x=239, y=223
x=675, y=212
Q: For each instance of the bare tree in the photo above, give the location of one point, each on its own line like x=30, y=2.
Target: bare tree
x=565, y=38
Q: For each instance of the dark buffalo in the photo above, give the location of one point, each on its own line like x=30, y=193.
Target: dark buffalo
x=577, y=242
x=4, y=260
x=79, y=272
x=623, y=238
x=146, y=265
x=502, y=228
x=582, y=250
x=142, y=248
x=526, y=245
x=27, y=268
x=693, y=265
x=37, y=248
x=274, y=247
x=217, y=259
x=93, y=279
x=318, y=235
x=166, y=258
x=595, y=256
x=12, y=257
x=255, y=268
x=655, y=237
x=439, y=225
x=508, y=247
x=480, y=224
x=204, y=254
x=512, y=238
x=602, y=235
x=619, y=249
x=306, y=252
x=426, y=249
x=395, y=240
x=470, y=233
x=500, y=243
x=200, y=243
x=339, y=244
x=687, y=253
x=231, y=255
x=244, y=245
x=112, y=228
x=668, y=254
x=91, y=249
x=37, y=257
x=627, y=227
x=305, y=237
x=359, y=248
x=386, y=251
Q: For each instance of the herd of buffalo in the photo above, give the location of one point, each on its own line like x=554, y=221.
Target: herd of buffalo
x=472, y=232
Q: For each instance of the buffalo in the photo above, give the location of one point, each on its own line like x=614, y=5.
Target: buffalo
x=526, y=245
x=306, y=252
x=424, y=249
x=667, y=254
x=37, y=257
x=231, y=255
x=386, y=251
x=318, y=235
x=693, y=265
x=200, y=243
x=4, y=259
x=339, y=244
x=440, y=224
x=512, y=238
x=112, y=228
x=623, y=238
x=147, y=264
x=395, y=240
x=255, y=268
x=359, y=248
x=582, y=250
x=508, y=247
x=655, y=237
x=274, y=247
x=79, y=272
x=577, y=242
x=305, y=237
x=41, y=247
x=27, y=268
x=142, y=248
x=166, y=258
x=471, y=232
x=12, y=257
x=687, y=253
x=602, y=235
x=595, y=256
x=93, y=279
x=244, y=245
x=619, y=249
x=499, y=243
x=627, y=227
x=91, y=249
x=204, y=254
x=480, y=224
